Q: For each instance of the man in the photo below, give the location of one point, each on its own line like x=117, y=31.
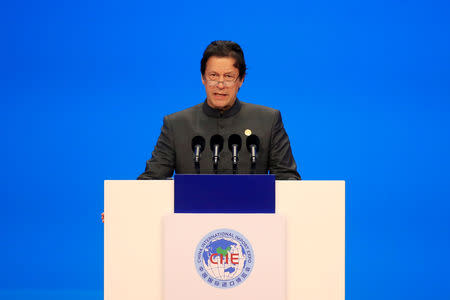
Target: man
x=224, y=121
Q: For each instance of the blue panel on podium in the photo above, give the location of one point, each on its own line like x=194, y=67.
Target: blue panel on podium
x=224, y=194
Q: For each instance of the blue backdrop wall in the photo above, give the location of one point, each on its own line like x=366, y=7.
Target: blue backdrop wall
x=363, y=87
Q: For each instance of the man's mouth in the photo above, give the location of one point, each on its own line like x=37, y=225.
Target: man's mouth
x=220, y=94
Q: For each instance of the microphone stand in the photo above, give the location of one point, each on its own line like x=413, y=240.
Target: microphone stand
x=216, y=158
x=253, y=159
x=235, y=158
x=197, y=159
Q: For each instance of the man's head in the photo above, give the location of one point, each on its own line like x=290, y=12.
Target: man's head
x=223, y=72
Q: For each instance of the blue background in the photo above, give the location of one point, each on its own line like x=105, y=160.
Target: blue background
x=363, y=87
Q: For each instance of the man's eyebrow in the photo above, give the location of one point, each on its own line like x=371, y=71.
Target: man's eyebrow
x=225, y=73
x=229, y=73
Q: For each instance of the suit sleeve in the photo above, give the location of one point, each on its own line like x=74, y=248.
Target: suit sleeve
x=281, y=160
x=162, y=163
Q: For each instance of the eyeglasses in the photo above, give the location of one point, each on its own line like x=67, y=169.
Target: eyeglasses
x=228, y=80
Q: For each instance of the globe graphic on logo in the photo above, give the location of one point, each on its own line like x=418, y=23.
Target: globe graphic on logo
x=224, y=258
x=225, y=267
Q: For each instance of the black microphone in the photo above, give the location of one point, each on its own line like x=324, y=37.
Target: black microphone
x=198, y=145
x=253, y=147
x=216, y=145
x=234, y=144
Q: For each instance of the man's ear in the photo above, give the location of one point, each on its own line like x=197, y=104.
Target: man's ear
x=203, y=80
x=241, y=81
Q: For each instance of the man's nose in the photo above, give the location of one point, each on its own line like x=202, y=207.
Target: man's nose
x=220, y=85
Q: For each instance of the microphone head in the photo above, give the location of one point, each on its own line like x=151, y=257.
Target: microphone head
x=198, y=140
x=252, y=140
x=216, y=140
x=234, y=139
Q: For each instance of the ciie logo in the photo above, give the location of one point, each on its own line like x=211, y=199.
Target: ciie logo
x=224, y=258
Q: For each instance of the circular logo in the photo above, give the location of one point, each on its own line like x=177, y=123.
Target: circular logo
x=224, y=258
x=247, y=132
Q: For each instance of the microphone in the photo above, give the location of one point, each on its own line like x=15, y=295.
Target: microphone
x=198, y=145
x=253, y=147
x=234, y=144
x=216, y=144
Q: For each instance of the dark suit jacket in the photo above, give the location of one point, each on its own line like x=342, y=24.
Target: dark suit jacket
x=173, y=151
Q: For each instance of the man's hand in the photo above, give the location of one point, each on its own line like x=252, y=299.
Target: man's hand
x=103, y=217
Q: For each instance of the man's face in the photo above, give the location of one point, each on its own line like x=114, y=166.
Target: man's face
x=221, y=95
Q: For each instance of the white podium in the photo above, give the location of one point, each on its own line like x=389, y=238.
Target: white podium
x=139, y=218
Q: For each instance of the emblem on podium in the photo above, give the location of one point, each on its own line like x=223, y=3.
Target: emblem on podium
x=224, y=258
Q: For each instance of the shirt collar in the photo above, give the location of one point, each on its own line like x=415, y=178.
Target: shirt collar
x=216, y=113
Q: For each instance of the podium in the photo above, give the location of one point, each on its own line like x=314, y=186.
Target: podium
x=150, y=250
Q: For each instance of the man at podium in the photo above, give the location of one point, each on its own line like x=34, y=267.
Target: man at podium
x=222, y=135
